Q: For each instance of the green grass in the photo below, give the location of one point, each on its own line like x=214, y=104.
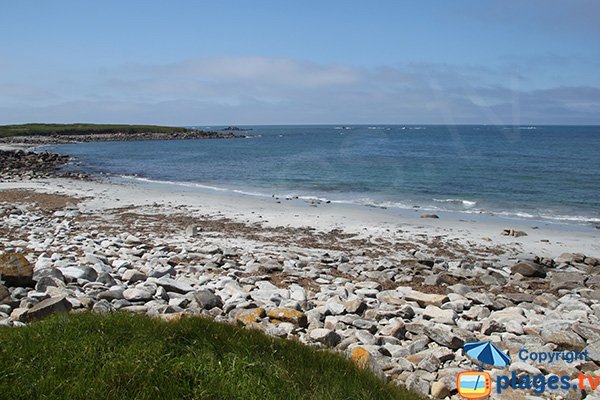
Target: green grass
x=123, y=356
x=82, y=129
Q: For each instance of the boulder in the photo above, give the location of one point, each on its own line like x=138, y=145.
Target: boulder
x=171, y=285
x=79, y=272
x=529, y=269
x=284, y=314
x=439, y=390
x=15, y=270
x=207, y=299
x=325, y=336
x=593, y=351
x=426, y=298
x=47, y=307
x=566, y=340
x=249, y=317
x=4, y=294
x=133, y=276
x=135, y=294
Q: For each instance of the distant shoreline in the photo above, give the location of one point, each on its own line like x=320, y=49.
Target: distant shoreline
x=51, y=134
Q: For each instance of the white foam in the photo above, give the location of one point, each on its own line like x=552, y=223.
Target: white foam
x=466, y=203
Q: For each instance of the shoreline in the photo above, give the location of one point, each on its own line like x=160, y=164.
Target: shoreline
x=398, y=293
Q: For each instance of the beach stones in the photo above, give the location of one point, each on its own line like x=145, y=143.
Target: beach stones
x=326, y=337
x=529, y=269
x=15, y=270
x=288, y=315
x=46, y=307
x=135, y=294
x=4, y=294
x=207, y=299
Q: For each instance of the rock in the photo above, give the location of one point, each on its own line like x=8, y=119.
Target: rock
x=439, y=333
x=512, y=232
x=79, y=272
x=133, y=276
x=47, y=307
x=529, y=269
x=569, y=258
x=251, y=316
x=46, y=282
x=366, y=325
x=192, y=230
x=111, y=295
x=438, y=315
x=365, y=337
x=135, y=294
x=171, y=285
x=363, y=358
x=355, y=306
x=288, y=315
x=335, y=307
x=106, y=279
x=593, y=351
x=567, y=280
x=395, y=329
x=207, y=299
x=490, y=326
x=15, y=270
x=4, y=294
x=434, y=216
x=566, y=340
x=439, y=390
x=589, y=332
x=102, y=307
x=325, y=336
x=132, y=240
x=426, y=298
x=591, y=261
x=430, y=363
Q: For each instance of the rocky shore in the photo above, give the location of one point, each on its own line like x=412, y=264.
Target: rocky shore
x=119, y=137
x=404, y=312
x=26, y=165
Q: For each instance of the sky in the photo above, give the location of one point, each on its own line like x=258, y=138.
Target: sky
x=227, y=62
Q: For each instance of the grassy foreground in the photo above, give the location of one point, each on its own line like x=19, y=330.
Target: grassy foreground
x=82, y=129
x=123, y=356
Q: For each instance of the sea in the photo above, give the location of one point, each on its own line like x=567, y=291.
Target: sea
x=545, y=173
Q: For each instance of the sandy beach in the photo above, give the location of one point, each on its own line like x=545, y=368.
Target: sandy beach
x=391, y=289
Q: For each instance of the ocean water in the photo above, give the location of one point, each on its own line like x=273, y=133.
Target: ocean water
x=549, y=173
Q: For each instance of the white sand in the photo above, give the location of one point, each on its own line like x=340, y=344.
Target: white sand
x=468, y=230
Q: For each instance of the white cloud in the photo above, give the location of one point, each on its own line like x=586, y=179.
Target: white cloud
x=262, y=90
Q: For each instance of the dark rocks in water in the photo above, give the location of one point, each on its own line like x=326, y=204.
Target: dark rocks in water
x=28, y=165
x=15, y=270
x=235, y=128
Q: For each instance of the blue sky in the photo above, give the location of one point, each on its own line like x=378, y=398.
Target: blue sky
x=277, y=62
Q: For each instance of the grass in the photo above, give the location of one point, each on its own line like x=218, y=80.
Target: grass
x=82, y=129
x=123, y=356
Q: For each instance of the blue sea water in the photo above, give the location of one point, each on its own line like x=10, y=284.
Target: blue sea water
x=541, y=172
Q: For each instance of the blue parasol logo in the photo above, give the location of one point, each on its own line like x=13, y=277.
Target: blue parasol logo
x=487, y=353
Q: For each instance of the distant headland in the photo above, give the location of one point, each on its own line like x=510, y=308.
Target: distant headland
x=75, y=133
